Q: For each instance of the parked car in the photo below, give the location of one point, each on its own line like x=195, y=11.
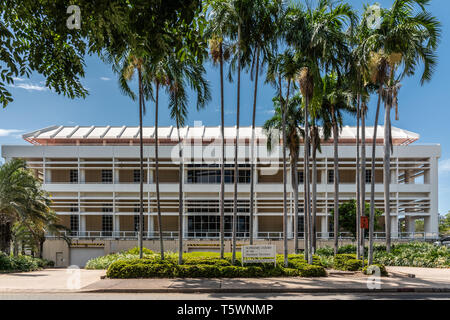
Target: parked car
x=445, y=241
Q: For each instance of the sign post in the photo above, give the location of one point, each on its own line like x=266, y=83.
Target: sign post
x=259, y=254
x=364, y=225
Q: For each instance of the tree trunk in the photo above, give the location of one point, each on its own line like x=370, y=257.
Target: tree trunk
x=236, y=171
x=180, y=199
x=307, y=211
x=314, y=192
x=285, y=215
x=336, y=182
x=252, y=154
x=5, y=236
x=372, y=180
x=222, y=162
x=294, y=183
x=358, y=181
x=141, y=169
x=363, y=172
x=387, y=176
x=158, y=200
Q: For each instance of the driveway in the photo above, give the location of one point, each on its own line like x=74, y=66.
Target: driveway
x=49, y=280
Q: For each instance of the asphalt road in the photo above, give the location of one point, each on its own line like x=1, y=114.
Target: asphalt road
x=208, y=296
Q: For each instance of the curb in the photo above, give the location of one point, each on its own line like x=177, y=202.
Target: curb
x=268, y=290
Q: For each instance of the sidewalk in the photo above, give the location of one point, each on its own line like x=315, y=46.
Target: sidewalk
x=425, y=280
x=62, y=280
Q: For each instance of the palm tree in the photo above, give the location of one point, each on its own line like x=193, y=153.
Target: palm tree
x=320, y=40
x=126, y=66
x=181, y=74
x=24, y=202
x=407, y=37
x=336, y=100
x=259, y=36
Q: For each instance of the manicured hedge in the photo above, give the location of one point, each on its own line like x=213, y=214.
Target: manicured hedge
x=207, y=268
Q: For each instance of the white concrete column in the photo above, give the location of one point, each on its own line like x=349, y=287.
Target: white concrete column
x=116, y=223
x=150, y=224
x=394, y=227
x=185, y=226
x=82, y=175
x=290, y=226
x=82, y=223
x=324, y=226
x=432, y=224
x=410, y=224
x=255, y=227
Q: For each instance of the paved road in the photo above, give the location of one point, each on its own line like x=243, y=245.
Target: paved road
x=206, y=296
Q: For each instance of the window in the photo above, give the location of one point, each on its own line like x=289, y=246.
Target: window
x=330, y=176
x=107, y=176
x=137, y=176
x=212, y=206
x=368, y=176
x=107, y=208
x=73, y=176
x=301, y=224
x=209, y=226
x=74, y=207
x=210, y=173
x=301, y=177
x=74, y=224
x=107, y=225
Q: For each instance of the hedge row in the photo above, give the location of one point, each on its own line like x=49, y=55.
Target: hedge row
x=207, y=268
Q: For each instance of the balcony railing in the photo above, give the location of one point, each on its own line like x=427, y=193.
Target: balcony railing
x=270, y=235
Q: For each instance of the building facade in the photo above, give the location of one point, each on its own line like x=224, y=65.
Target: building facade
x=92, y=174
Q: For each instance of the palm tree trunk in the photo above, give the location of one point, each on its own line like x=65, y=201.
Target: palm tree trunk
x=308, y=248
x=180, y=199
x=252, y=153
x=5, y=235
x=222, y=162
x=294, y=183
x=314, y=192
x=236, y=171
x=141, y=169
x=336, y=182
x=363, y=172
x=358, y=181
x=372, y=180
x=387, y=175
x=158, y=200
x=285, y=215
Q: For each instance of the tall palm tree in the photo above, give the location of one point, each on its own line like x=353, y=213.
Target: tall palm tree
x=259, y=35
x=321, y=42
x=408, y=36
x=336, y=100
x=127, y=66
x=180, y=75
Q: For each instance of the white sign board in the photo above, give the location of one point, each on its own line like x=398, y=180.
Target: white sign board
x=259, y=254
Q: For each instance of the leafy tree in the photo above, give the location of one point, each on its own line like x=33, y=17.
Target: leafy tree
x=444, y=224
x=347, y=216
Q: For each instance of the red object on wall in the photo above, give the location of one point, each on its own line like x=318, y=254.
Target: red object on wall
x=364, y=222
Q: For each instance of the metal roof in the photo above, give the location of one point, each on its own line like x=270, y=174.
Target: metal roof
x=88, y=134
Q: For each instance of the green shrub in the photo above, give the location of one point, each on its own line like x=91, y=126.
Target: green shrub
x=369, y=269
x=340, y=260
x=22, y=263
x=154, y=267
x=353, y=265
x=135, y=251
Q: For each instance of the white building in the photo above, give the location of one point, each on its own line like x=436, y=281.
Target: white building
x=93, y=176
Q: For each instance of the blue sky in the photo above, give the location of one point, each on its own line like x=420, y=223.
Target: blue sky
x=423, y=109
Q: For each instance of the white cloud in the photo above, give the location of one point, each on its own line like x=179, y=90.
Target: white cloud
x=9, y=132
x=30, y=87
x=105, y=78
x=18, y=79
x=444, y=166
